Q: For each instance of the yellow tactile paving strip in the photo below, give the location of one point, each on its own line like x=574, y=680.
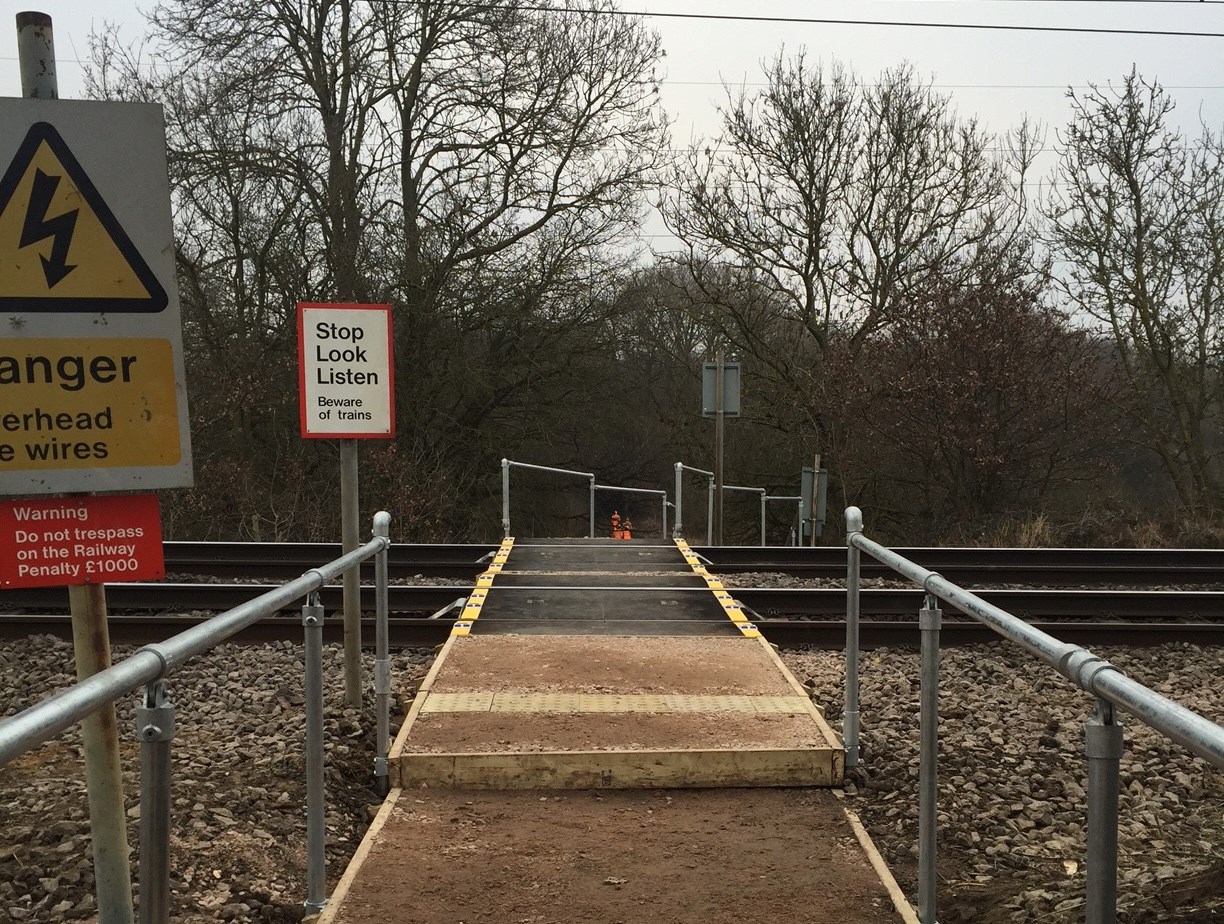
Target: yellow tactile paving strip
x=733, y=610
x=655, y=703
x=484, y=583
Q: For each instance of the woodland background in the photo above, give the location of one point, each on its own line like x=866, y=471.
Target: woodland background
x=979, y=354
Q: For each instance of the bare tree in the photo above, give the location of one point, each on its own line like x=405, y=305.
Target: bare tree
x=1136, y=219
x=838, y=198
x=821, y=208
x=480, y=165
x=524, y=140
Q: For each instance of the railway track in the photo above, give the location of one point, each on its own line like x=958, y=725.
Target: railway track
x=1197, y=605
x=790, y=616
x=415, y=632
x=1062, y=567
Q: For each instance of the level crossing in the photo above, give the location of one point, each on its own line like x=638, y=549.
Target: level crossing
x=618, y=682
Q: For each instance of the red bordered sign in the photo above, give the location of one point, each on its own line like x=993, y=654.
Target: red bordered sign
x=61, y=541
x=346, y=377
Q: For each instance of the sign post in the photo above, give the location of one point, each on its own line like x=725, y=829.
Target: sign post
x=720, y=398
x=347, y=392
x=92, y=389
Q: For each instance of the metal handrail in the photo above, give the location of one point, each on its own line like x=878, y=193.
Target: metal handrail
x=150, y=665
x=1093, y=674
x=507, y=464
x=678, y=527
x=659, y=491
x=760, y=491
x=794, y=499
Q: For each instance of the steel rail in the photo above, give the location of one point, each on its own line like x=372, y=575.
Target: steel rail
x=1033, y=603
x=1000, y=565
x=425, y=631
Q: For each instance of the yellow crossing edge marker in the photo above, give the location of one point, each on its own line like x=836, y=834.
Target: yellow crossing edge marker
x=484, y=583
x=733, y=610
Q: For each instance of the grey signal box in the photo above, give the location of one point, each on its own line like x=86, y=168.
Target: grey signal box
x=731, y=389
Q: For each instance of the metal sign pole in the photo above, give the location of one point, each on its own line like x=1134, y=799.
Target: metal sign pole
x=505, y=498
x=90, y=638
x=103, y=774
x=350, y=527
x=815, y=490
x=719, y=415
x=678, y=527
x=36, y=54
x=710, y=512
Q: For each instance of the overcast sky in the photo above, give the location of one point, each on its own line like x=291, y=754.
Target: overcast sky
x=996, y=75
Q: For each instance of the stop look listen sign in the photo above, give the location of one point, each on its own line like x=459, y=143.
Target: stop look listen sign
x=345, y=374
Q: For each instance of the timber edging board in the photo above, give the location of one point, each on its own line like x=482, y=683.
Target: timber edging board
x=654, y=769
x=819, y=764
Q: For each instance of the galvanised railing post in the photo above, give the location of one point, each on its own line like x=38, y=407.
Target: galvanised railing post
x=505, y=498
x=1103, y=746
x=664, y=516
x=316, y=870
x=678, y=526
x=762, y=519
x=155, y=732
x=710, y=513
x=850, y=716
x=382, y=656
x=929, y=620
x=592, y=507
x=1087, y=671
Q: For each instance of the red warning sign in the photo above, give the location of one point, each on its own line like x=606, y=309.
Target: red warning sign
x=58, y=541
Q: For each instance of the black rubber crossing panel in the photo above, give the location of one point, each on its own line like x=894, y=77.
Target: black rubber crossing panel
x=658, y=603
x=563, y=626
x=600, y=587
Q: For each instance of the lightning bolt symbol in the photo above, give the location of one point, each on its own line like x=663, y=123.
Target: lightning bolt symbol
x=38, y=227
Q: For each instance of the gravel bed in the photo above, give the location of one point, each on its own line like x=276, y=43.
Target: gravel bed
x=1012, y=783
x=238, y=813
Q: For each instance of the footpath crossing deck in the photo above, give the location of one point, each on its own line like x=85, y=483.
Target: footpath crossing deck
x=591, y=712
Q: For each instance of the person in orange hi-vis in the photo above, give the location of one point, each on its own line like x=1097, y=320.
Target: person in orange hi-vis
x=617, y=532
x=627, y=529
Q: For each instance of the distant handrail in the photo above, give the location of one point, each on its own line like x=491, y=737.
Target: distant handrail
x=794, y=499
x=1086, y=670
x=507, y=464
x=678, y=527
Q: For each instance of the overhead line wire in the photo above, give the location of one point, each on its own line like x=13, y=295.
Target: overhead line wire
x=817, y=21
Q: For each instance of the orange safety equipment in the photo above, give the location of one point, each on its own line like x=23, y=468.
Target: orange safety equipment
x=617, y=532
x=627, y=529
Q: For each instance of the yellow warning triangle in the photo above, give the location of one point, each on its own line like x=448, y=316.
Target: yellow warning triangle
x=61, y=247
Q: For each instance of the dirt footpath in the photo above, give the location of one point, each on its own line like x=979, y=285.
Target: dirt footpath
x=633, y=857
